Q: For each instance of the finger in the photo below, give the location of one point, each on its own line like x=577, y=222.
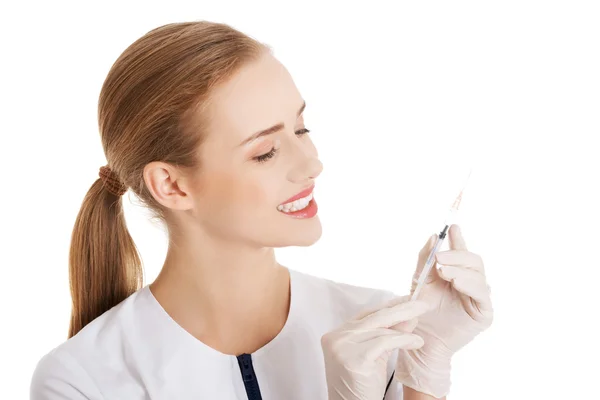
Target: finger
x=422, y=260
x=455, y=237
x=390, y=303
x=470, y=283
x=460, y=258
x=374, y=348
x=431, y=277
x=425, y=250
x=427, y=246
x=406, y=326
x=387, y=317
x=360, y=335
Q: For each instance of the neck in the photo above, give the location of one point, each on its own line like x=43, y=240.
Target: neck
x=213, y=290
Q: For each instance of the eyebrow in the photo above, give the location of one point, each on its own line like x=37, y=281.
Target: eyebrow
x=273, y=129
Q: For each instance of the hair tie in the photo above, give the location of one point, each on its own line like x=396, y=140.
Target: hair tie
x=111, y=181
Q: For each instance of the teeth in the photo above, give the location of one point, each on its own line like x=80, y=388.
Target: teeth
x=295, y=205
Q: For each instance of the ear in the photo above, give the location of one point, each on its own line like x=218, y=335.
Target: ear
x=165, y=183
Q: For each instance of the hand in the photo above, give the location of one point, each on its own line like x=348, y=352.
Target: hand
x=461, y=308
x=357, y=353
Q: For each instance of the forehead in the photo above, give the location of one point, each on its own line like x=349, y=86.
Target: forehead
x=258, y=96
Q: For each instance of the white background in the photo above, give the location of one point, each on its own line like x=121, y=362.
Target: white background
x=401, y=99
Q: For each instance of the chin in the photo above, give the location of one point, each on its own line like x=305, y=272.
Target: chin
x=310, y=238
x=305, y=234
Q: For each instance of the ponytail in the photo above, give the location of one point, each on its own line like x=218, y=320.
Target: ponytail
x=151, y=108
x=104, y=265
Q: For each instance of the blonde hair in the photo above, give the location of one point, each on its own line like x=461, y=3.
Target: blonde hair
x=150, y=108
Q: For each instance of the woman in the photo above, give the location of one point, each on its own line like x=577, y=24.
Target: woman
x=205, y=126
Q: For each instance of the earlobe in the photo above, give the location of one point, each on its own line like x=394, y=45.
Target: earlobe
x=164, y=183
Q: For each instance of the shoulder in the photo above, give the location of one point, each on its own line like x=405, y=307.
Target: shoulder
x=59, y=376
x=69, y=370
x=342, y=299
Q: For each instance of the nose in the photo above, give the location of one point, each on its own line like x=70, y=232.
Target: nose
x=307, y=166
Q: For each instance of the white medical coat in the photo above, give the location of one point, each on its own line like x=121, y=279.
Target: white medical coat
x=136, y=351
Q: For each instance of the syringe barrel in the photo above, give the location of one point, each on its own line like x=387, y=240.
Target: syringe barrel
x=428, y=264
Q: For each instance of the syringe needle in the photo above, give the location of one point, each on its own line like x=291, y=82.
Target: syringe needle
x=439, y=240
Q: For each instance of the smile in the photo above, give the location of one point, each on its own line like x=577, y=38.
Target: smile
x=296, y=205
x=300, y=206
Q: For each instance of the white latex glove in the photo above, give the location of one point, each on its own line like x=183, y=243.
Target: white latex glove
x=461, y=308
x=357, y=353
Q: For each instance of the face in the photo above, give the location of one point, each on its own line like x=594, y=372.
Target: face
x=244, y=181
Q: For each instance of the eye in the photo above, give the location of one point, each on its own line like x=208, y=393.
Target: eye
x=271, y=153
x=266, y=156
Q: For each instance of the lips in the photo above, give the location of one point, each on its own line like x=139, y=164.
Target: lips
x=300, y=195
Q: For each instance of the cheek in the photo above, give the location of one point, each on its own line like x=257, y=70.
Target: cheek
x=226, y=191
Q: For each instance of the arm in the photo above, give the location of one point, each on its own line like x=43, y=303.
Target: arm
x=411, y=394
x=57, y=376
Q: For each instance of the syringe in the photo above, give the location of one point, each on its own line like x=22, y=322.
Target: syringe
x=450, y=218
